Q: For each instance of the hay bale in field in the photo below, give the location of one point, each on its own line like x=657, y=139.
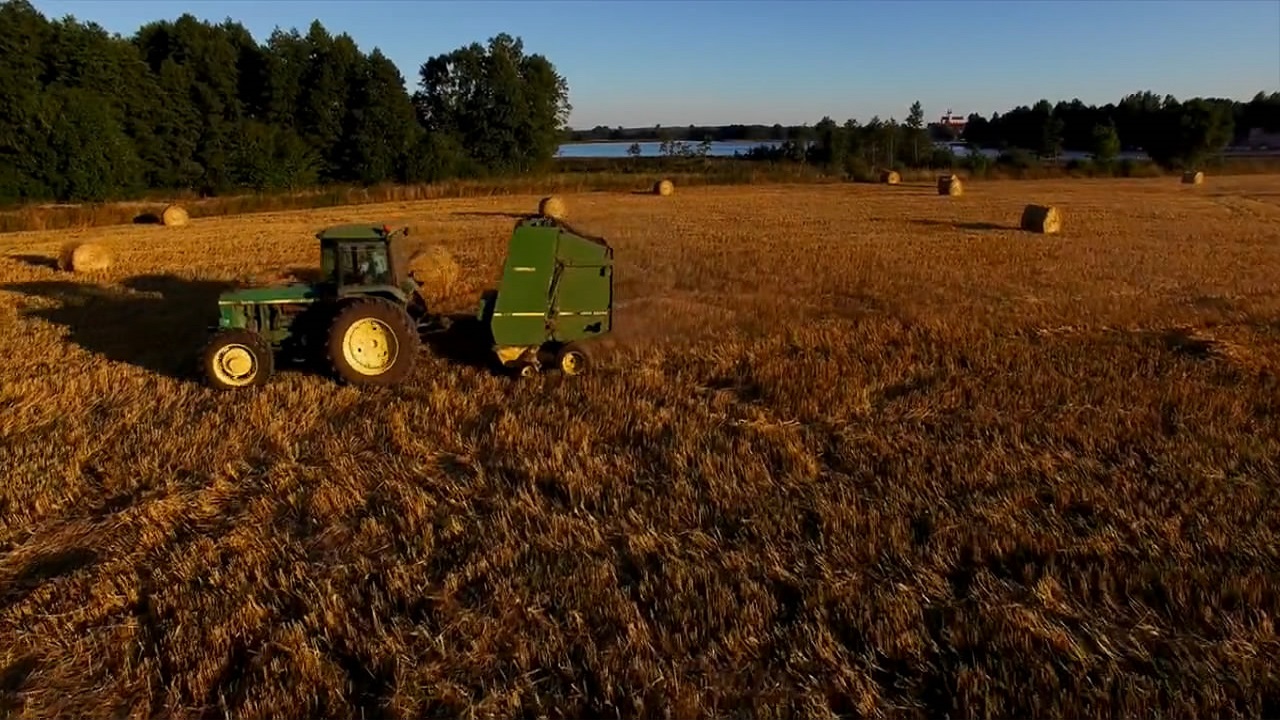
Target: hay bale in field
x=83, y=257
x=1044, y=219
x=950, y=185
x=174, y=215
x=890, y=177
x=664, y=188
x=552, y=207
x=1192, y=178
x=435, y=271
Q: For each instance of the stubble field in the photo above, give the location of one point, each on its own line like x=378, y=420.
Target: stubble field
x=853, y=451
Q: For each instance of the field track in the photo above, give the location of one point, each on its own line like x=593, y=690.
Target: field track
x=854, y=450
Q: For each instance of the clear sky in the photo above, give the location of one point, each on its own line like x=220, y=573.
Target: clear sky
x=718, y=62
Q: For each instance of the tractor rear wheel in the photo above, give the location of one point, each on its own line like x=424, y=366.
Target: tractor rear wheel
x=237, y=359
x=372, y=341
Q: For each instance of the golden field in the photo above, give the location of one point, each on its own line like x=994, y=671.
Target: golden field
x=853, y=451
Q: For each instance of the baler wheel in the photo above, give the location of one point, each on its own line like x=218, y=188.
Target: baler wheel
x=573, y=360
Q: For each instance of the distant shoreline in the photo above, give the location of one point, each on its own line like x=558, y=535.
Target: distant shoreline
x=643, y=140
x=1238, y=152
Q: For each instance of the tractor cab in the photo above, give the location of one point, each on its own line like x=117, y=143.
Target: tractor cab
x=365, y=260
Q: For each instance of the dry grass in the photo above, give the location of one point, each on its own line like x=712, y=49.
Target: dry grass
x=579, y=175
x=854, y=451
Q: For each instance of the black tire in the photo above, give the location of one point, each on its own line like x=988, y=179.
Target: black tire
x=388, y=316
x=572, y=359
x=219, y=360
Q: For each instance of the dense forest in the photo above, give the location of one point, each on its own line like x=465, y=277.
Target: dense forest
x=185, y=104
x=87, y=115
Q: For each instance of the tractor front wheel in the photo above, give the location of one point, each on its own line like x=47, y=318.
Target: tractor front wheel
x=237, y=359
x=372, y=342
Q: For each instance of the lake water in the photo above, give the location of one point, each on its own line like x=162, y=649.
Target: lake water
x=651, y=149
x=728, y=147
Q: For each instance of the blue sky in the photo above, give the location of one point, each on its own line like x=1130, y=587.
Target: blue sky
x=719, y=62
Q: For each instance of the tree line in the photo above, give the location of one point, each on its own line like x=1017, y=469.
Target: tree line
x=86, y=115
x=1173, y=134
x=1170, y=131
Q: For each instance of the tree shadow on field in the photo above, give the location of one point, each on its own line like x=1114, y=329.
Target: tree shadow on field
x=494, y=213
x=48, y=566
x=12, y=679
x=160, y=326
x=40, y=261
x=964, y=225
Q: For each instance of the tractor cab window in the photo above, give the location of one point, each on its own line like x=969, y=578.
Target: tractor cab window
x=365, y=265
x=328, y=269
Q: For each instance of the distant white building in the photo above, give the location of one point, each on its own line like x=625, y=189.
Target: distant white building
x=952, y=120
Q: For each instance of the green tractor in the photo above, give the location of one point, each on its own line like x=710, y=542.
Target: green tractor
x=365, y=317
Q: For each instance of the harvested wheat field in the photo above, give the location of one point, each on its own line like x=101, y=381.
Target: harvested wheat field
x=853, y=451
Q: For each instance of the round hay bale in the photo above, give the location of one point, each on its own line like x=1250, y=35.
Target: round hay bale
x=1192, y=177
x=83, y=257
x=1044, y=219
x=552, y=207
x=174, y=215
x=890, y=177
x=664, y=188
x=950, y=185
x=435, y=271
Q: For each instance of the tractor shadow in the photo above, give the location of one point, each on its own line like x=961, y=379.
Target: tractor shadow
x=964, y=225
x=158, y=322
x=463, y=340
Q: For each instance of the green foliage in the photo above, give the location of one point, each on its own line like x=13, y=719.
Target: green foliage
x=1106, y=143
x=506, y=108
x=1018, y=159
x=976, y=161
x=916, y=133
x=185, y=104
x=89, y=156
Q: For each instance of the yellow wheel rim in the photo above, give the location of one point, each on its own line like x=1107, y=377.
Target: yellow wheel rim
x=370, y=347
x=235, y=365
x=572, y=363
